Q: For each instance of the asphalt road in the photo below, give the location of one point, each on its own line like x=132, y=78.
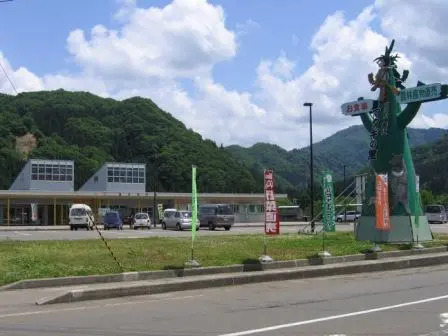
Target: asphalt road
x=141, y=233
x=66, y=234
x=407, y=302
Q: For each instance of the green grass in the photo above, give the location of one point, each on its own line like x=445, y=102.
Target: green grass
x=40, y=259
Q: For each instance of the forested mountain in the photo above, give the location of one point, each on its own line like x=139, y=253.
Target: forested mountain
x=91, y=130
x=348, y=147
x=431, y=162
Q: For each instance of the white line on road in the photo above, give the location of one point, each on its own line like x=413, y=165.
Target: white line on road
x=22, y=233
x=61, y=310
x=334, y=317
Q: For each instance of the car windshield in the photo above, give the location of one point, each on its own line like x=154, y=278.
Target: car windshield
x=185, y=214
x=141, y=216
x=78, y=212
x=433, y=209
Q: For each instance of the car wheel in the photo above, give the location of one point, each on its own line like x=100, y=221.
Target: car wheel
x=178, y=227
x=339, y=220
x=227, y=228
x=163, y=226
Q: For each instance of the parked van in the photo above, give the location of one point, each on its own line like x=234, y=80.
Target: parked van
x=435, y=213
x=216, y=216
x=81, y=216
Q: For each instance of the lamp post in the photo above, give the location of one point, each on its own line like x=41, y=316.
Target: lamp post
x=155, y=183
x=310, y=105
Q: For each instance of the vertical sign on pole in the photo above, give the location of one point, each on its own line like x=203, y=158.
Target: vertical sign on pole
x=271, y=224
x=382, y=203
x=271, y=220
x=328, y=212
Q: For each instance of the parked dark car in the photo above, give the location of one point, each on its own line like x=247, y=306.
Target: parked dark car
x=112, y=220
x=216, y=216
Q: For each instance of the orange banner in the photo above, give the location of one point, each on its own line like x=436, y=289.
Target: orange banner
x=382, y=203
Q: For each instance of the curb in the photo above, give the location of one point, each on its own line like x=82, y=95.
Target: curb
x=213, y=270
x=365, y=266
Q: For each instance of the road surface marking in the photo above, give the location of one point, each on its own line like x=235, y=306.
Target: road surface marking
x=22, y=233
x=334, y=317
x=60, y=310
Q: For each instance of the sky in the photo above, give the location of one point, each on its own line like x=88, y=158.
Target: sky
x=236, y=72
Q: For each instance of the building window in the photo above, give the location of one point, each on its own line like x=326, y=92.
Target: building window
x=51, y=172
x=125, y=175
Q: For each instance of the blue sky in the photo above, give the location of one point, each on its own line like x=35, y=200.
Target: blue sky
x=236, y=81
x=34, y=32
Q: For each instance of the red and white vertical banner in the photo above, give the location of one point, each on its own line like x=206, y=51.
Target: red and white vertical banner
x=382, y=203
x=271, y=219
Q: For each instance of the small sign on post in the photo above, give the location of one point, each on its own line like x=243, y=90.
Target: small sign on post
x=359, y=107
x=422, y=93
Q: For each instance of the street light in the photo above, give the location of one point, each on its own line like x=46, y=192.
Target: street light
x=310, y=105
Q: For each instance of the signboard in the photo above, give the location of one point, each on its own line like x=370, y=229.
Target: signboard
x=422, y=93
x=328, y=212
x=271, y=220
x=358, y=107
x=382, y=215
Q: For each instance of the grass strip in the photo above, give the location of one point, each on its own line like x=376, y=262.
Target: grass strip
x=42, y=259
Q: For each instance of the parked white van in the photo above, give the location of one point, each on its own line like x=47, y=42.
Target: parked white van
x=81, y=216
x=436, y=213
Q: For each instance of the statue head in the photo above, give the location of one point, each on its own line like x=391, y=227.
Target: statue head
x=387, y=60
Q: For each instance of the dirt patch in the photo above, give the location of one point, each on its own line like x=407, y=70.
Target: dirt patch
x=25, y=144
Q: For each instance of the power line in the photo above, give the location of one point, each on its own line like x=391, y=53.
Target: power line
x=8, y=78
x=3, y=68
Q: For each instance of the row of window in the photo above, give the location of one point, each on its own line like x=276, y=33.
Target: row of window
x=51, y=172
x=125, y=175
x=124, y=179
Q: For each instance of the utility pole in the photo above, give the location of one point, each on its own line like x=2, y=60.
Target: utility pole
x=313, y=225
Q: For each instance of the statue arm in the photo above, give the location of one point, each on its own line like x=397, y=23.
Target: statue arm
x=367, y=121
x=410, y=111
x=406, y=116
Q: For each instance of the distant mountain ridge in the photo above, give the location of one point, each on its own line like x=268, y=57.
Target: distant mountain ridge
x=348, y=147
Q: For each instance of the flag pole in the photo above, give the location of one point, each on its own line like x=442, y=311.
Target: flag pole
x=194, y=217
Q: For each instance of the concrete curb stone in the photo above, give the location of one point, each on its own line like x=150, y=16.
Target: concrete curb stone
x=170, y=285
x=213, y=270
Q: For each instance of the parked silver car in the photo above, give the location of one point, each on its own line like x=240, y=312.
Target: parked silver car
x=350, y=216
x=141, y=220
x=179, y=220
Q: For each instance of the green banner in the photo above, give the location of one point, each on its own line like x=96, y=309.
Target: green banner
x=328, y=213
x=194, y=204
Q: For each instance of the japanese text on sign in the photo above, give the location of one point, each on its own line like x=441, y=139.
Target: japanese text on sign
x=374, y=134
x=328, y=211
x=420, y=93
x=357, y=107
x=270, y=207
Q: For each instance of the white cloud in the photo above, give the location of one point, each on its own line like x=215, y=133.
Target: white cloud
x=155, y=48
